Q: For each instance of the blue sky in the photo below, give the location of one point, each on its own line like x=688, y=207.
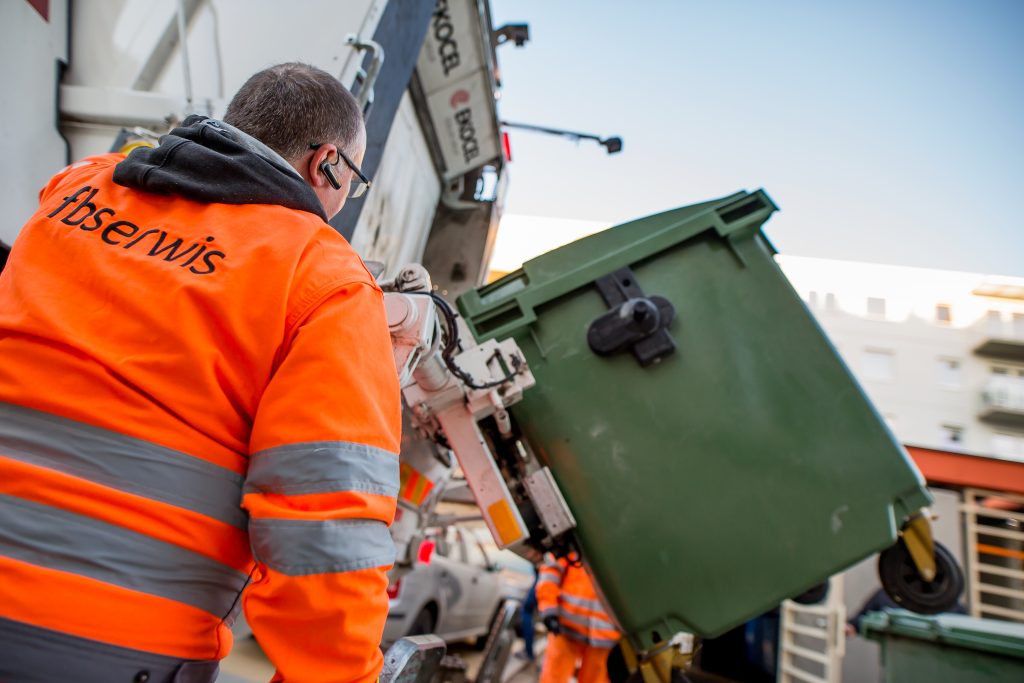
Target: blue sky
x=889, y=132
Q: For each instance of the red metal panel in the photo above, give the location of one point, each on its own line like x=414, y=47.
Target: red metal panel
x=962, y=469
x=41, y=6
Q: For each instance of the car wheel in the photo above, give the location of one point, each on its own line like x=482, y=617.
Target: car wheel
x=481, y=641
x=424, y=623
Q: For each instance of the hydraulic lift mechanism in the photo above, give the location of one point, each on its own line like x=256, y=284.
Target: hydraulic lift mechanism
x=451, y=386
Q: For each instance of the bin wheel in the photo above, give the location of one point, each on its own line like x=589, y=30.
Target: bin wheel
x=618, y=672
x=900, y=579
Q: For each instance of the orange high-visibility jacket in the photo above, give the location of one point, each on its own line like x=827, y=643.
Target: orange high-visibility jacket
x=565, y=590
x=196, y=396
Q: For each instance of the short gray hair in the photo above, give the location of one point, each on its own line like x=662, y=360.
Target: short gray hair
x=289, y=106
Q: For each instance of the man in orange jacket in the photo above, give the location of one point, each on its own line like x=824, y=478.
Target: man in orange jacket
x=198, y=396
x=581, y=633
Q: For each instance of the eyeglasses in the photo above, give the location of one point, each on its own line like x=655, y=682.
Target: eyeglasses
x=357, y=189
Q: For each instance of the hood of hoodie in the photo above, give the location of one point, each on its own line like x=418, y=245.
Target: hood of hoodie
x=209, y=161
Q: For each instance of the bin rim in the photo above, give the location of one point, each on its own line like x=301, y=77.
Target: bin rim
x=958, y=630
x=504, y=307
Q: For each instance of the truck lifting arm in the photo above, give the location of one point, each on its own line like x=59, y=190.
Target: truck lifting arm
x=450, y=385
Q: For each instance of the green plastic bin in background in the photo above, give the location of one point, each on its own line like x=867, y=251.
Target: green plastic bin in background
x=948, y=647
x=737, y=471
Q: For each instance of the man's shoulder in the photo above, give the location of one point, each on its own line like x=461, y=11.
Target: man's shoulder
x=319, y=245
x=327, y=264
x=293, y=239
x=79, y=170
x=328, y=251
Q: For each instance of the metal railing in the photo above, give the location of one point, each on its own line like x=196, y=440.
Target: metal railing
x=995, y=554
x=1004, y=393
x=813, y=639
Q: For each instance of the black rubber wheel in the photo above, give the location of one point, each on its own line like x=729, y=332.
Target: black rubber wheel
x=618, y=672
x=814, y=595
x=422, y=624
x=481, y=641
x=909, y=590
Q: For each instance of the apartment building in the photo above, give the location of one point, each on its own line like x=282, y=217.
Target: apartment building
x=941, y=353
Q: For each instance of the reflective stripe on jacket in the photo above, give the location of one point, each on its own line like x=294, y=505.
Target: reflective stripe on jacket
x=167, y=363
x=566, y=590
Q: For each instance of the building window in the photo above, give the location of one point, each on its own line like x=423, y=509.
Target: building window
x=994, y=323
x=877, y=364
x=948, y=373
x=944, y=313
x=830, y=301
x=951, y=435
x=876, y=306
x=1007, y=445
x=1018, y=325
x=812, y=299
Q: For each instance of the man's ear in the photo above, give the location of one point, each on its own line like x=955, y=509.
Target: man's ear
x=318, y=177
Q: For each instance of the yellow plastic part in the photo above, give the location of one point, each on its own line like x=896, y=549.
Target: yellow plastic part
x=629, y=654
x=133, y=145
x=656, y=667
x=917, y=537
x=504, y=521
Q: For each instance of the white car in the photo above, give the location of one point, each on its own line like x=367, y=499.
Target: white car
x=455, y=586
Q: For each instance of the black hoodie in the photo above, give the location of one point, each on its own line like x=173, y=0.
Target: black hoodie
x=208, y=161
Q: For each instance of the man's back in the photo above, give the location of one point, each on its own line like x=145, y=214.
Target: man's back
x=165, y=357
x=163, y=316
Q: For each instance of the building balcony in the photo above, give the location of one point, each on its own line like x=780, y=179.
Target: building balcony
x=1002, y=402
x=1002, y=348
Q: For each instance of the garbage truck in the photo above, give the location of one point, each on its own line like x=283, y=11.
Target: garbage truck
x=654, y=399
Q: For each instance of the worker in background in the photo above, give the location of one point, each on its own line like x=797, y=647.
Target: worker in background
x=527, y=610
x=581, y=633
x=198, y=394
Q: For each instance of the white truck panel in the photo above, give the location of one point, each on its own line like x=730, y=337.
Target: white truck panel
x=228, y=40
x=395, y=222
x=240, y=37
x=111, y=39
x=30, y=145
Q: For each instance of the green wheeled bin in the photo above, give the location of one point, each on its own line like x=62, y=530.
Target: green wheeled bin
x=947, y=647
x=715, y=451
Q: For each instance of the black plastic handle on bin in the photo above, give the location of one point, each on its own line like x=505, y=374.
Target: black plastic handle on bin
x=635, y=321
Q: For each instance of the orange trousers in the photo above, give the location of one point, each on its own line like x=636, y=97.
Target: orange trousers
x=564, y=656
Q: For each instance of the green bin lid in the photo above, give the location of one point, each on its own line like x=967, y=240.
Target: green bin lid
x=988, y=635
x=504, y=307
